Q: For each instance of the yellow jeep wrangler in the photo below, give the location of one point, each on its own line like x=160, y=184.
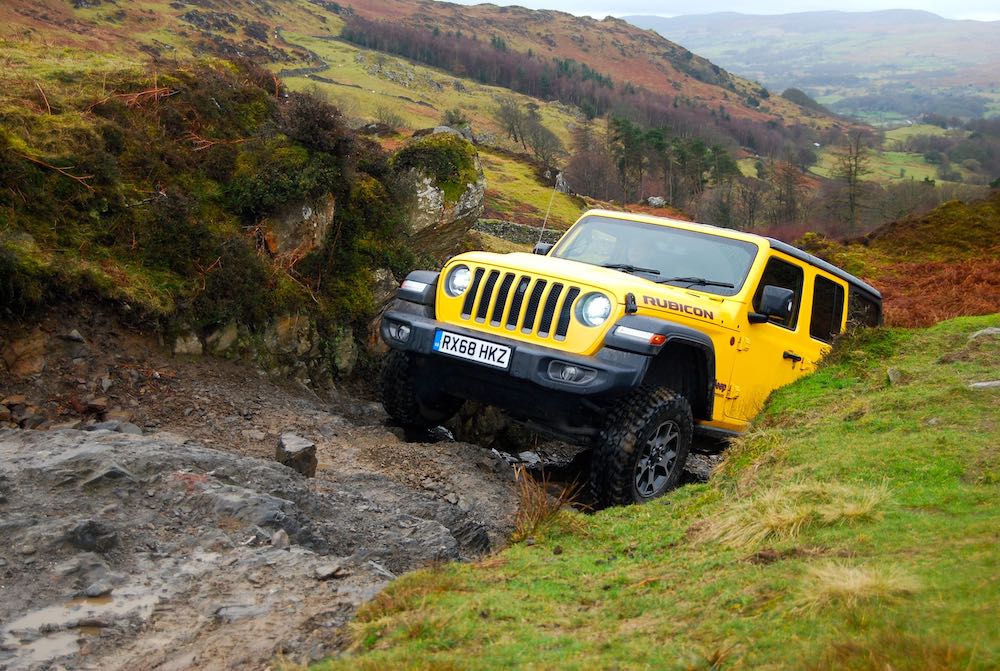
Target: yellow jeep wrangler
x=629, y=334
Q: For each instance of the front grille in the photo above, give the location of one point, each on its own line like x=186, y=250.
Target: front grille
x=518, y=301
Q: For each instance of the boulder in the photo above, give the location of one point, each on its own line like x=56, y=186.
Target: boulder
x=26, y=355
x=74, y=345
x=219, y=342
x=384, y=285
x=656, y=201
x=187, y=344
x=291, y=334
x=988, y=332
x=345, y=351
x=297, y=453
x=438, y=223
x=299, y=228
x=562, y=186
x=93, y=536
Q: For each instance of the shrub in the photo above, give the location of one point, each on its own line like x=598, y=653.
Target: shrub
x=316, y=124
x=455, y=118
x=240, y=288
x=22, y=281
x=273, y=172
x=389, y=117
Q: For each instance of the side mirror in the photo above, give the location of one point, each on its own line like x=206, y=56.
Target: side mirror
x=776, y=302
x=543, y=248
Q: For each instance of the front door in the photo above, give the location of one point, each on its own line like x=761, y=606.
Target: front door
x=774, y=353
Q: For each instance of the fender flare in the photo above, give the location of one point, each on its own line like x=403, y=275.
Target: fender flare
x=675, y=334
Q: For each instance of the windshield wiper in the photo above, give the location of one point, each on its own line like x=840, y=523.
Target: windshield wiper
x=697, y=280
x=627, y=268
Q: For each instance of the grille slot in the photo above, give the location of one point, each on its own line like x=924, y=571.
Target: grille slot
x=515, y=306
x=532, y=309
x=567, y=308
x=470, y=297
x=545, y=324
x=487, y=295
x=501, y=299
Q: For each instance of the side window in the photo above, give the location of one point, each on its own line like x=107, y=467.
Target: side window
x=786, y=275
x=862, y=310
x=827, y=309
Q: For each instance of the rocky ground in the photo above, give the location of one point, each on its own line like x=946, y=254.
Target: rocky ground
x=146, y=523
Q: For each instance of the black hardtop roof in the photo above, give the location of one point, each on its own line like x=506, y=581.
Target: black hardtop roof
x=823, y=265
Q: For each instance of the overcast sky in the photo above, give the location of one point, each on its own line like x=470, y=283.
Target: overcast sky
x=979, y=10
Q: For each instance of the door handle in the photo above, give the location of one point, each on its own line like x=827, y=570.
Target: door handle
x=789, y=354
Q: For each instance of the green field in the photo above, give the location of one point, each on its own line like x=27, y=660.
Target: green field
x=855, y=527
x=369, y=85
x=905, y=132
x=885, y=166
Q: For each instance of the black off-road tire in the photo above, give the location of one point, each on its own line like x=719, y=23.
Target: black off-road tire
x=630, y=435
x=409, y=402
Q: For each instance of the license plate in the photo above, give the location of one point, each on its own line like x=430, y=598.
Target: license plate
x=472, y=349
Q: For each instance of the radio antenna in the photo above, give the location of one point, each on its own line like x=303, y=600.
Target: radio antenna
x=547, y=210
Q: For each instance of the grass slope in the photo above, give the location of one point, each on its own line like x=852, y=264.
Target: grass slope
x=929, y=267
x=855, y=528
x=514, y=193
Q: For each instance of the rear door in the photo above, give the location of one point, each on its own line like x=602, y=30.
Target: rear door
x=827, y=314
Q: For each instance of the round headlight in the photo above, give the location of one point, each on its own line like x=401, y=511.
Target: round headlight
x=457, y=281
x=593, y=309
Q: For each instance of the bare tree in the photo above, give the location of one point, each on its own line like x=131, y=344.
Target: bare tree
x=512, y=118
x=751, y=197
x=545, y=145
x=852, y=163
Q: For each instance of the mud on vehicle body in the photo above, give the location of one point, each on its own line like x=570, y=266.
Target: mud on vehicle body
x=626, y=336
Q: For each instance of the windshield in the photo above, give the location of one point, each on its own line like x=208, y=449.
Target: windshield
x=674, y=256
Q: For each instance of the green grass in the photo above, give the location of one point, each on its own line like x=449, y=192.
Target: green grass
x=419, y=95
x=855, y=527
x=748, y=167
x=885, y=166
x=514, y=193
x=906, y=132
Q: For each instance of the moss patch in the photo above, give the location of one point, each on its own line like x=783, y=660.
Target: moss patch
x=446, y=158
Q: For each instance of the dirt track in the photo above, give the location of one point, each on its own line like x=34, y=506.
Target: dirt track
x=213, y=555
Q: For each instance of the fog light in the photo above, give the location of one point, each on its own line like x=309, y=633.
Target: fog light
x=400, y=332
x=571, y=373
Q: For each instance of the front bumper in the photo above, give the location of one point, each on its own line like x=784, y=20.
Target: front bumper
x=615, y=371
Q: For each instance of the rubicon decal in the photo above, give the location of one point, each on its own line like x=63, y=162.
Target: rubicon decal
x=678, y=307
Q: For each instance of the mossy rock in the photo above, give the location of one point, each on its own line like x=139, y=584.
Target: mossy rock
x=447, y=158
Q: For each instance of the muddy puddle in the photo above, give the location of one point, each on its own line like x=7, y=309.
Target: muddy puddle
x=56, y=631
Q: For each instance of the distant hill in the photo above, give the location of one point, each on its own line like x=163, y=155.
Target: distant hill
x=880, y=65
x=258, y=29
